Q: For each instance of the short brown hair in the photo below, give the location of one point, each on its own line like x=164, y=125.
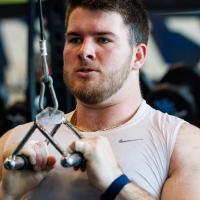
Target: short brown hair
x=132, y=12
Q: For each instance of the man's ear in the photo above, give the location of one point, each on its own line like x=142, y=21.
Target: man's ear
x=139, y=56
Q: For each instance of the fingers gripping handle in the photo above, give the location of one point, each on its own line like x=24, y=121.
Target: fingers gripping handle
x=19, y=162
x=73, y=160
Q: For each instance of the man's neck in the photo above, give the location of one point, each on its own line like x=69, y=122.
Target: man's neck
x=93, y=118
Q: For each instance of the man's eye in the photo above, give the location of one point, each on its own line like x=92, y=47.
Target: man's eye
x=74, y=40
x=103, y=40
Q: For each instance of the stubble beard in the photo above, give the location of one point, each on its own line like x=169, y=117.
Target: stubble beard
x=95, y=92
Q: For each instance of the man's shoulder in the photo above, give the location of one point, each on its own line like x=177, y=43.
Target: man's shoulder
x=187, y=148
x=16, y=129
x=188, y=137
x=21, y=127
x=184, y=174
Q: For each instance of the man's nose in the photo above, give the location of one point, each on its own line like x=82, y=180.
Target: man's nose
x=87, y=51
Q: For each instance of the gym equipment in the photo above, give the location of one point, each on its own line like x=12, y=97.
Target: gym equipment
x=55, y=18
x=178, y=93
x=48, y=115
x=146, y=84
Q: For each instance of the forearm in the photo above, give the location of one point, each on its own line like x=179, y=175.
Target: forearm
x=4, y=196
x=133, y=192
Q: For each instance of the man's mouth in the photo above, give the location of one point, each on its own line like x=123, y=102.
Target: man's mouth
x=86, y=72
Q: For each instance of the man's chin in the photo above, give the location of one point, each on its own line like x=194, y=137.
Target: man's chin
x=88, y=100
x=91, y=98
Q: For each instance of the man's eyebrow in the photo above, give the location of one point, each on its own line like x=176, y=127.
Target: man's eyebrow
x=105, y=33
x=72, y=34
x=102, y=33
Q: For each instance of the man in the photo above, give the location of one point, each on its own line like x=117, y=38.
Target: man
x=106, y=45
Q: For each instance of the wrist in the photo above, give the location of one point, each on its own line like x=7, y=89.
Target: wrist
x=110, y=178
x=115, y=187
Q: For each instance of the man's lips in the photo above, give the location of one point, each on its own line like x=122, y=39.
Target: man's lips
x=86, y=72
x=88, y=69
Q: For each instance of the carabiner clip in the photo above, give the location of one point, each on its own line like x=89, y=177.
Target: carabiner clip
x=49, y=82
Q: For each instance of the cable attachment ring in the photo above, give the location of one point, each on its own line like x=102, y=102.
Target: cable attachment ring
x=47, y=80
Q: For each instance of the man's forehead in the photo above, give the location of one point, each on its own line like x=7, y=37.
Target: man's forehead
x=100, y=20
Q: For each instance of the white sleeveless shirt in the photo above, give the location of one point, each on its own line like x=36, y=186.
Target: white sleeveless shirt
x=143, y=147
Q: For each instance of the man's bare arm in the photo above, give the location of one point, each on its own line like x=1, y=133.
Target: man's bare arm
x=14, y=184
x=133, y=192
x=3, y=140
x=184, y=176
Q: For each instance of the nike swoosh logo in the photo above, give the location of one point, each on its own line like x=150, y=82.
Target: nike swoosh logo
x=133, y=140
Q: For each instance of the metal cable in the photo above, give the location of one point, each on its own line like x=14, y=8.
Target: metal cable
x=46, y=80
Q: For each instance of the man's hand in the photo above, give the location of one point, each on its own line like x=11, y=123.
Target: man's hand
x=101, y=165
x=15, y=183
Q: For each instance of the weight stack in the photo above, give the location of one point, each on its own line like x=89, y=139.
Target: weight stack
x=178, y=93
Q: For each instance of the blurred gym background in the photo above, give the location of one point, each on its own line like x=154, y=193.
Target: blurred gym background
x=170, y=79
